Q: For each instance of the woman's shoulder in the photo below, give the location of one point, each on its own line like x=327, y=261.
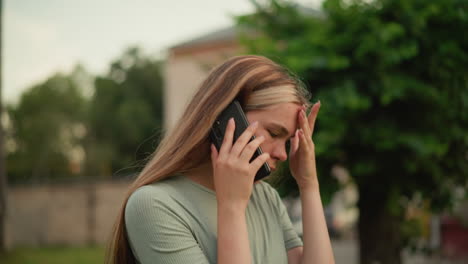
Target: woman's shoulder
x=150, y=211
x=160, y=192
x=146, y=193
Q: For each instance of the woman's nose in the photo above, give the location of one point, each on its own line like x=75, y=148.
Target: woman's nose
x=279, y=152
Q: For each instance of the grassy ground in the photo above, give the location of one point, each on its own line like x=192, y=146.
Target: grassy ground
x=54, y=255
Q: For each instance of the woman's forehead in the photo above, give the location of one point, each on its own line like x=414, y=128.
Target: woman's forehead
x=284, y=107
x=284, y=114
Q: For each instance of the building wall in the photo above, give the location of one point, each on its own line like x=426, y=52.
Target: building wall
x=185, y=70
x=63, y=214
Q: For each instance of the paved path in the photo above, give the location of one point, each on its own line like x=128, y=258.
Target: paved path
x=346, y=252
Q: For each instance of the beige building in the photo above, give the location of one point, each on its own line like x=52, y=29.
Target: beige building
x=189, y=63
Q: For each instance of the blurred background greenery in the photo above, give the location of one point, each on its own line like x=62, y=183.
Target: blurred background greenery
x=58, y=131
x=392, y=76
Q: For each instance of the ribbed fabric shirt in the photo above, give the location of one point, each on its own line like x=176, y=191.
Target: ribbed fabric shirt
x=175, y=221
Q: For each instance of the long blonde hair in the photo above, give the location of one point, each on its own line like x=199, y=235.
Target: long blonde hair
x=255, y=81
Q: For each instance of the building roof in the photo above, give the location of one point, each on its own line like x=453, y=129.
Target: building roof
x=224, y=34
x=230, y=33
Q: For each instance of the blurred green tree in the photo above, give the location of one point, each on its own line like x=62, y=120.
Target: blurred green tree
x=45, y=130
x=392, y=77
x=125, y=115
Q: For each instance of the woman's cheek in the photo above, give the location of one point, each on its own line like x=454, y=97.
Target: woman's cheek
x=266, y=144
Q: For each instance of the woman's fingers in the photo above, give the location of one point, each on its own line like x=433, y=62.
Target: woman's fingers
x=259, y=161
x=303, y=133
x=227, y=141
x=250, y=148
x=294, y=143
x=214, y=154
x=313, y=116
x=244, y=138
x=303, y=123
x=303, y=146
x=307, y=123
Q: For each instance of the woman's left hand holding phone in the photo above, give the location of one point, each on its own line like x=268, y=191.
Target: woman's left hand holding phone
x=233, y=175
x=233, y=172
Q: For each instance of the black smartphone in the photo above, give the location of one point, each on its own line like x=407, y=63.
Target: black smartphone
x=218, y=129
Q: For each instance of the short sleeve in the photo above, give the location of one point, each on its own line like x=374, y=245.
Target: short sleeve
x=291, y=238
x=157, y=232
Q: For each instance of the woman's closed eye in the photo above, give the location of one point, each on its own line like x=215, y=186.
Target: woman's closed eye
x=273, y=134
x=287, y=143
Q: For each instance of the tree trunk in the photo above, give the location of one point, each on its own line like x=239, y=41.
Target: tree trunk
x=380, y=238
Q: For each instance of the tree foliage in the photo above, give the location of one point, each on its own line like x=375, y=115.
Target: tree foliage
x=125, y=114
x=67, y=126
x=392, y=76
x=44, y=130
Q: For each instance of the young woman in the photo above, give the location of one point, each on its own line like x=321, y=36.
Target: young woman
x=193, y=204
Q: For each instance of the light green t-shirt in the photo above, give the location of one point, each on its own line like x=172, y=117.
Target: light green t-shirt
x=175, y=221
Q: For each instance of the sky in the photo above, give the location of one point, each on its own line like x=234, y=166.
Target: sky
x=42, y=37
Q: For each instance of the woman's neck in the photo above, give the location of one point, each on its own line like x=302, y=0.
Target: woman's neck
x=202, y=174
